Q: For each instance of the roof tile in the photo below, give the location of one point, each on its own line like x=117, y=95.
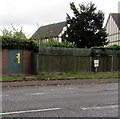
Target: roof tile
x=52, y=30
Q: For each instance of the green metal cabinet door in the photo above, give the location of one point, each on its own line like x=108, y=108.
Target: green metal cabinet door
x=15, y=61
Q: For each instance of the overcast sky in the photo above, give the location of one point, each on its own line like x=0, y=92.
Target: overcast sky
x=31, y=14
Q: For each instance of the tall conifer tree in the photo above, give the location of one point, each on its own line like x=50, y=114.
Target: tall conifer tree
x=85, y=28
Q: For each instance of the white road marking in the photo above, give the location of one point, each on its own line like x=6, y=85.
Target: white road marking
x=45, y=93
x=36, y=94
x=29, y=111
x=102, y=107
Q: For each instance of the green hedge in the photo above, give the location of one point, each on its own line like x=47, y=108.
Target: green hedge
x=14, y=43
x=30, y=44
x=113, y=47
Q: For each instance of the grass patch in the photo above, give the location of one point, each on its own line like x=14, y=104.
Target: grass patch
x=10, y=78
x=78, y=76
x=60, y=76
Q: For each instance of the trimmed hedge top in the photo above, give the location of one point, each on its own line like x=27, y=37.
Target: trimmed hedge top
x=12, y=43
x=113, y=47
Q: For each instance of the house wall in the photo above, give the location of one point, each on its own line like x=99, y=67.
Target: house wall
x=113, y=32
x=62, y=32
x=55, y=39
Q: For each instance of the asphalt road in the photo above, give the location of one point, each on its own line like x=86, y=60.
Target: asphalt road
x=61, y=101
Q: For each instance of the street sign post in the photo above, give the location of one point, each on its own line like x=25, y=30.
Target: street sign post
x=96, y=65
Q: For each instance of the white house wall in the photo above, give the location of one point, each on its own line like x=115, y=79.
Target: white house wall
x=113, y=32
x=55, y=39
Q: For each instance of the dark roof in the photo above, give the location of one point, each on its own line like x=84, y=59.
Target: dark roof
x=116, y=17
x=52, y=30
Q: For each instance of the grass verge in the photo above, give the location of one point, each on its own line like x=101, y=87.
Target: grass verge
x=78, y=76
x=10, y=78
x=60, y=76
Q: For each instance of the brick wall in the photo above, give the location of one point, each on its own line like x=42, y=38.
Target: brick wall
x=0, y=61
x=27, y=61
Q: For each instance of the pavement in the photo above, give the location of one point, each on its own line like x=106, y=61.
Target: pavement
x=58, y=82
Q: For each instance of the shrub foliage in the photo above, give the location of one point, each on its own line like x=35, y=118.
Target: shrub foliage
x=12, y=43
x=58, y=44
x=17, y=40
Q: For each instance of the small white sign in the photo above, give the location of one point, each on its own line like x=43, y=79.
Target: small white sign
x=96, y=63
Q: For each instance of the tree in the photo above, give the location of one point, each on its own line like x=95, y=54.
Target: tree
x=19, y=34
x=6, y=33
x=13, y=33
x=85, y=28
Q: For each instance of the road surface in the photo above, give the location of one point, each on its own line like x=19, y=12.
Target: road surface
x=100, y=100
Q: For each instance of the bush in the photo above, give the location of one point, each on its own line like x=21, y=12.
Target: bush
x=12, y=43
x=103, y=51
x=114, y=47
x=58, y=44
x=15, y=39
x=100, y=52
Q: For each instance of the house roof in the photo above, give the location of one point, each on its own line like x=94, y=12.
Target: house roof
x=116, y=18
x=52, y=30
